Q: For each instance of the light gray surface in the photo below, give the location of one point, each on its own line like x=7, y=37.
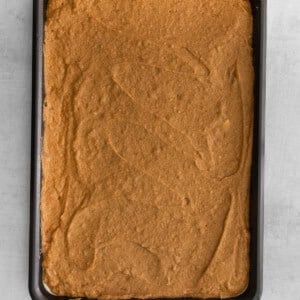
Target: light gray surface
x=15, y=114
x=282, y=189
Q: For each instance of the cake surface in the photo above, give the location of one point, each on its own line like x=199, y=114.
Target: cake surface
x=147, y=148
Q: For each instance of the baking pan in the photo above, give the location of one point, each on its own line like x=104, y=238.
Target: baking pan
x=254, y=289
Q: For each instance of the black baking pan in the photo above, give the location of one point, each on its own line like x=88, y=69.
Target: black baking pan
x=254, y=289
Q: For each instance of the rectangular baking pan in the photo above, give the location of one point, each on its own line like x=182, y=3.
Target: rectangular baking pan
x=254, y=289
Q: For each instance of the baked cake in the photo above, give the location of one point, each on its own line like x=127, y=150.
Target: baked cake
x=147, y=146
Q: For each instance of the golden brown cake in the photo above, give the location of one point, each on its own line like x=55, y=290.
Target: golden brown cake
x=147, y=148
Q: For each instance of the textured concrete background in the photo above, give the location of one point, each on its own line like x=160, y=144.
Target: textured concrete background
x=282, y=189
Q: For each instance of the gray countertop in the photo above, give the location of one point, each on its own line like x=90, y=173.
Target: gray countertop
x=282, y=183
